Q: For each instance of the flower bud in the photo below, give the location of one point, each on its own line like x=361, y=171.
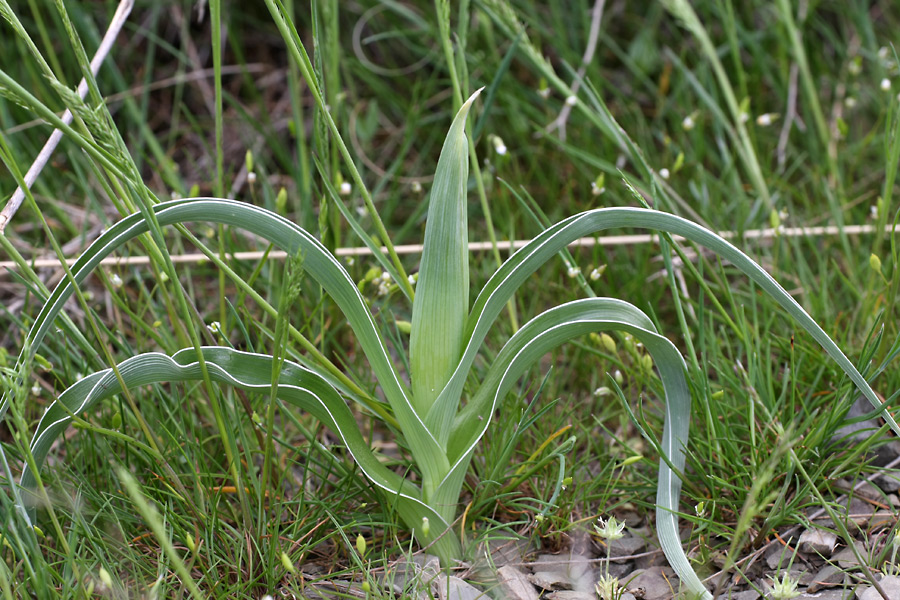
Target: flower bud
x=286, y=562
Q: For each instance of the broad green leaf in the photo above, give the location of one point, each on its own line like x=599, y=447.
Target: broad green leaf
x=555, y=327
x=297, y=386
x=519, y=267
x=442, y=292
x=318, y=263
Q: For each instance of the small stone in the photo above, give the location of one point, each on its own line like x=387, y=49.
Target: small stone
x=570, y=595
x=817, y=541
x=803, y=577
x=778, y=558
x=454, y=588
x=514, y=584
x=651, y=584
x=889, y=481
x=846, y=559
x=867, y=490
x=827, y=576
x=509, y=551
x=858, y=512
x=750, y=594
x=881, y=519
x=631, y=519
x=890, y=585
x=570, y=572
x=550, y=580
x=834, y=594
x=615, y=570
x=625, y=547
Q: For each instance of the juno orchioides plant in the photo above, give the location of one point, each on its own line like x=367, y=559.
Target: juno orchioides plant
x=447, y=332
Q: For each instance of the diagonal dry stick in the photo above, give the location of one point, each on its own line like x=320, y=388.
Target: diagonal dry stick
x=115, y=26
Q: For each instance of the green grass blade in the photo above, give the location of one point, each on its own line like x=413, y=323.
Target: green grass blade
x=442, y=292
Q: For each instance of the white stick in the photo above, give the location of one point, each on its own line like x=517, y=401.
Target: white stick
x=115, y=26
x=612, y=240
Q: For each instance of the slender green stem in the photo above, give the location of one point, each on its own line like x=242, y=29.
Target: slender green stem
x=298, y=51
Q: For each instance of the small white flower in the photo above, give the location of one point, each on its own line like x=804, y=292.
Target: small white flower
x=544, y=91
x=597, y=273
x=251, y=177
x=573, y=271
x=35, y=390
x=783, y=214
x=268, y=597
x=786, y=589
x=850, y=102
x=608, y=588
x=766, y=119
x=499, y=146
x=350, y=261
x=744, y=117
x=688, y=123
x=885, y=85
x=855, y=67
x=417, y=187
x=346, y=188
x=214, y=327
x=873, y=211
x=602, y=391
x=610, y=530
x=596, y=190
x=664, y=173
x=572, y=100
x=412, y=279
x=385, y=277
x=360, y=211
x=883, y=53
x=175, y=196
x=617, y=375
x=383, y=289
x=115, y=280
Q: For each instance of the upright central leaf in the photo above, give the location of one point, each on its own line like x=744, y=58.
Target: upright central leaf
x=441, y=303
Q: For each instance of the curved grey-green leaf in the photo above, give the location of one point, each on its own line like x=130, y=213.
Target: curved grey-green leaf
x=297, y=385
x=318, y=262
x=555, y=327
x=516, y=270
